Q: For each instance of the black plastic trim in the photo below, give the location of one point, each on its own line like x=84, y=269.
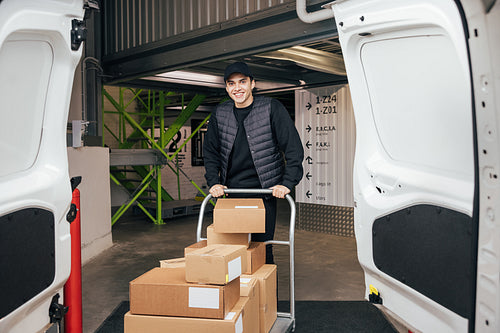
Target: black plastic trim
x=27, y=256
x=428, y=248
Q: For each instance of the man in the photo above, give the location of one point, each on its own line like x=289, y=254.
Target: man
x=244, y=146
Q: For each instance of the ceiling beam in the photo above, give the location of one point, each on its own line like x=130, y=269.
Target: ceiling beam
x=233, y=39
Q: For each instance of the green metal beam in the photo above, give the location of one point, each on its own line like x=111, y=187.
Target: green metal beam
x=143, y=171
x=155, y=108
x=182, y=118
x=191, y=136
x=147, y=212
x=143, y=186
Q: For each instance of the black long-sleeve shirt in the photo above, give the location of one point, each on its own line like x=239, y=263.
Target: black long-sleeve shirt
x=241, y=171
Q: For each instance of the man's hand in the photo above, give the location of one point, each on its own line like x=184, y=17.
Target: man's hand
x=279, y=191
x=217, y=190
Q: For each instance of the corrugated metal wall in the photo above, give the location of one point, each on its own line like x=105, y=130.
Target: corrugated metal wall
x=132, y=23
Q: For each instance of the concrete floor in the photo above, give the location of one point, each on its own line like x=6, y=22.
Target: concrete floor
x=326, y=266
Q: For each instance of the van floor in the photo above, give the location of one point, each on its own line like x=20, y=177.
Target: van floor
x=326, y=266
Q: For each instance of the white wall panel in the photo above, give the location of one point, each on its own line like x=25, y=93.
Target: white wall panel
x=325, y=121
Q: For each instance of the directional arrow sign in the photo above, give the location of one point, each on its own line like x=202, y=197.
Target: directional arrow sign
x=308, y=128
x=308, y=194
x=308, y=106
x=308, y=175
x=308, y=144
x=309, y=160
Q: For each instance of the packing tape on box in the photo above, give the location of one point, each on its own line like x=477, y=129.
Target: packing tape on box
x=254, y=207
x=206, y=298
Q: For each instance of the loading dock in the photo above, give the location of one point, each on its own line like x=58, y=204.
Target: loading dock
x=416, y=208
x=290, y=60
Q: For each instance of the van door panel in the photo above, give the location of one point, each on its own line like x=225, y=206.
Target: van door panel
x=37, y=67
x=414, y=174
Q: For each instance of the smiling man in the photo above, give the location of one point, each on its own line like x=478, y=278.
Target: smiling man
x=252, y=142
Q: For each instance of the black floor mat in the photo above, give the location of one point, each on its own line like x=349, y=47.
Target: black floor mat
x=114, y=322
x=338, y=317
x=310, y=316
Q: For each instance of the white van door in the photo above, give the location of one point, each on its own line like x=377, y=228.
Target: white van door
x=38, y=56
x=415, y=169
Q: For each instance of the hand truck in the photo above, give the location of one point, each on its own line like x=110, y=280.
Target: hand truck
x=285, y=322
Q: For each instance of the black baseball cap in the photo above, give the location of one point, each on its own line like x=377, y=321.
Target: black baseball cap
x=237, y=67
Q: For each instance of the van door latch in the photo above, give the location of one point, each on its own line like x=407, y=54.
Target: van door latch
x=57, y=310
x=71, y=216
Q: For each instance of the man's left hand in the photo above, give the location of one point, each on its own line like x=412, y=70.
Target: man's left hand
x=279, y=191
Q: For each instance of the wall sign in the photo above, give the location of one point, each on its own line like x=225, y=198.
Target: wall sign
x=325, y=121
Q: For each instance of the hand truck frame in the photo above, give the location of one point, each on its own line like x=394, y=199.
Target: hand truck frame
x=285, y=322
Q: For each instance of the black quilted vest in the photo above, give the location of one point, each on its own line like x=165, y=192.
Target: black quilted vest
x=263, y=147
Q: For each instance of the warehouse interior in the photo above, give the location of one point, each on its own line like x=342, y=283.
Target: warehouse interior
x=141, y=52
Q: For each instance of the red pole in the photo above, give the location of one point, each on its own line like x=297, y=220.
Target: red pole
x=73, y=287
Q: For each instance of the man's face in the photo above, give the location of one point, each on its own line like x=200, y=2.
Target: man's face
x=239, y=87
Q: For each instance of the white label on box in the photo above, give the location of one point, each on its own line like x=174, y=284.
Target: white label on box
x=206, y=298
x=245, y=280
x=230, y=316
x=234, y=269
x=238, y=327
x=246, y=206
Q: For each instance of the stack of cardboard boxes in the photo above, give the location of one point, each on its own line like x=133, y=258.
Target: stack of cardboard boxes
x=221, y=285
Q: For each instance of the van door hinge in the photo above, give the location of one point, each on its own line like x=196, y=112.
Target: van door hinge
x=78, y=33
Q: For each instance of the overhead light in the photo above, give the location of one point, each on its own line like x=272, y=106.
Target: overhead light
x=310, y=58
x=190, y=78
x=206, y=80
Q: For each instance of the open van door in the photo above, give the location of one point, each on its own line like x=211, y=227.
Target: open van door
x=422, y=78
x=39, y=51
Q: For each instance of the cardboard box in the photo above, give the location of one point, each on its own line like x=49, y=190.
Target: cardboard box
x=227, y=238
x=268, y=302
x=216, y=264
x=239, y=216
x=256, y=257
x=195, y=246
x=249, y=288
x=233, y=323
x=165, y=292
x=173, y=263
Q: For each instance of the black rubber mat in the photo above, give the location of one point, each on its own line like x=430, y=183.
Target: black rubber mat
x=338, y=317
x=311, y=317
x=114, y=322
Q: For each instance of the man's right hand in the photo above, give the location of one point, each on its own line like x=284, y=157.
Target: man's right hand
x=217, y=190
